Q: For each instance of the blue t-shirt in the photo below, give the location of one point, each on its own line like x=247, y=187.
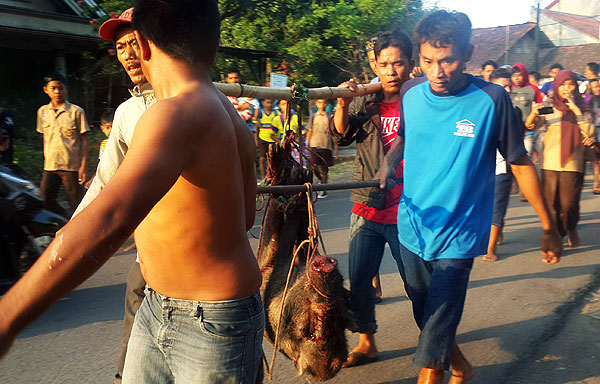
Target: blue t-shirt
x=548, y=86
x=449, y=164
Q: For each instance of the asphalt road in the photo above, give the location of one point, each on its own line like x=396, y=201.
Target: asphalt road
x=524, y=321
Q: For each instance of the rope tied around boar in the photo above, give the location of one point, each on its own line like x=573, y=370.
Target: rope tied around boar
x=313, y=244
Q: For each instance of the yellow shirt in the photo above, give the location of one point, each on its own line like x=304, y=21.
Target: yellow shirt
x=552, y=144
x=62, y=129
x=280, y=121
x=268, y=126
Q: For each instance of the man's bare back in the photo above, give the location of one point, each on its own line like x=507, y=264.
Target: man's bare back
x=193, y=243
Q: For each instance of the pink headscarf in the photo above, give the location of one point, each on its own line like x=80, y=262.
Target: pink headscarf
x=570, y=137
x=525, y=74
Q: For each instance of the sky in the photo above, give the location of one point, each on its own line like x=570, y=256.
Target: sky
x=489, y=13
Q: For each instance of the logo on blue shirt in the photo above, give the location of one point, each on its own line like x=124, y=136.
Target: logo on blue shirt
x=465, y=128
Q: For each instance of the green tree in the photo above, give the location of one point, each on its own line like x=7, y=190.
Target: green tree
x=322, y=40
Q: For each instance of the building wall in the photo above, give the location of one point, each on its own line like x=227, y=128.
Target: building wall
x=578, y=7
x=562, y=35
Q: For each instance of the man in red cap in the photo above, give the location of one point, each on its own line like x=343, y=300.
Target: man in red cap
x=127, y=115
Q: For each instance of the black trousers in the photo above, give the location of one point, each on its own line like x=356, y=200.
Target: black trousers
x=562, y=190
x=50, y=184
x=133, y=299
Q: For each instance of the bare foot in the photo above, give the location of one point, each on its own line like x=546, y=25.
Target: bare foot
x=500, y=238
x=462, y=370
x=431, y=376
x=491, y=256
x=364, y=352
x=573, y=239
x=549, y=257
x=460, y=377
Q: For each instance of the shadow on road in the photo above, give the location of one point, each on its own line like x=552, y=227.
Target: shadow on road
x=93, y=305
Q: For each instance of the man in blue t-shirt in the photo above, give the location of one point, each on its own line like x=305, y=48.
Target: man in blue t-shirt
x=451, y=125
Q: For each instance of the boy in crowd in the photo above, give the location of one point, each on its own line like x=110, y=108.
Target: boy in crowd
x=193, y=155
x=547, y=88
x=590, y=72
x=267, y=132
x=106, y=122
x=451, y=125
x=487, y=68
x=523, y=94
x=372, y=122
x=503, y=182
x=247, y=108
x=369, y=48
x=319, y=141
x=64, y=127
x=534, y=78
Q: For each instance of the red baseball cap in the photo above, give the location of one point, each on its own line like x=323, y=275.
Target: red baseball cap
x=108, y=28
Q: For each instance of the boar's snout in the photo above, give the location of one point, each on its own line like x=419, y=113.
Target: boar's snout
x=324, y=264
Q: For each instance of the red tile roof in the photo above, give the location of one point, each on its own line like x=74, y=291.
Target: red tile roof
x=490, y=43
x=587, y=25
x=574, y=57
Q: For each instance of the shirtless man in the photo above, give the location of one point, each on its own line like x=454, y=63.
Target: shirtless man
x=187, y=188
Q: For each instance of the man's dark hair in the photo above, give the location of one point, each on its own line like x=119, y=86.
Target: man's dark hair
x=186, y=30
x=107, y=116
x=500, y=73
x=594, y=67
x=55, y=76
x=489, y=62
x=442, y=28
x=536, y=75
x=556, y=66
x=396, y=39
x=370, y=45
x=234, y=70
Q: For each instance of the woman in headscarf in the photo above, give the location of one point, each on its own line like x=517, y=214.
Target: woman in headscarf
x=563, y=163
x=590, y=153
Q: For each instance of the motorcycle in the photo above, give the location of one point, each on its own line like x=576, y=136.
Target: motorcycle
x=26, y=228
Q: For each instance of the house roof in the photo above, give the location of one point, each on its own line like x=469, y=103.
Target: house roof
x=574, y=57
x=587, y=25
x=490, y=43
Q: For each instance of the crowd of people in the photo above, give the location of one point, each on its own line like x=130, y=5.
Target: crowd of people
x=444, y=144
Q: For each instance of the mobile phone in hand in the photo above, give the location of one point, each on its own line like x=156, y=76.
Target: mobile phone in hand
x=545, y=110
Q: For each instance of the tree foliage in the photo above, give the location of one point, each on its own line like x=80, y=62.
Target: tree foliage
x=320, y=42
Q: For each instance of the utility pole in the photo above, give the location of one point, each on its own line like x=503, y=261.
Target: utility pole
x=537, y=37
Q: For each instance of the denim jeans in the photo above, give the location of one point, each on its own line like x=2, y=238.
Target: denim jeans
x=437, y=290
x=187, y=341
x=501, y=197
x=367, y=243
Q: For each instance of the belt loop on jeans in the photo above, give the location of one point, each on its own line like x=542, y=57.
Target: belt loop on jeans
x=198, y=314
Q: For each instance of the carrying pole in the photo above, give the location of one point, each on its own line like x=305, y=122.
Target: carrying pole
x=241, y=90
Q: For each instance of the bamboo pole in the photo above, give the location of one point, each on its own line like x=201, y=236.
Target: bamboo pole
x=320, y=187
x=241, y=90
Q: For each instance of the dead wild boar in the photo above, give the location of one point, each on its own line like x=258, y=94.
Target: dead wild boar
x=315, y=312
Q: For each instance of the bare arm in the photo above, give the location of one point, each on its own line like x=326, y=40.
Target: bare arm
x=526, y=176
x=153, y=164
x=390, y=162
x=532, y=119
x=85, y=148
x=340, y=119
